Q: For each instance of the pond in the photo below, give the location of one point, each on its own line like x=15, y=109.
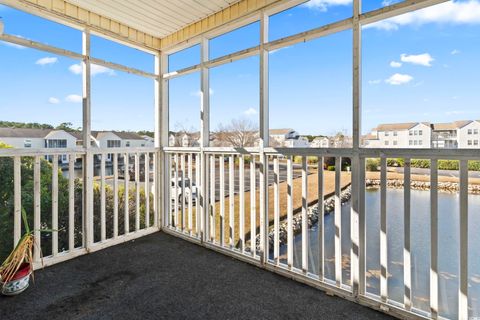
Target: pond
x=448, y=224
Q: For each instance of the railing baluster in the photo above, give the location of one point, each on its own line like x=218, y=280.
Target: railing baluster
x=175, y=186
x=36, y=209
x=253, y=208
x=55, y=205
x=241, y=179
x=197, y=200
x=276, y=210
x=434, y=239
x=463, y=280
x=231, y=199
x=338, y=222
x=71, y=202
x=137, y=192
x=126, y=176
x=184, y=218
x=407, y=275
x=115, y=195
x=383, y=231
x=321, y=215
x=17, y=180
x=147, y=188
x=213, y=214
x=305, y=242
x=221, y=164
x=362, y=228
x=102, y=199
x=289, y=212
x=190, y=194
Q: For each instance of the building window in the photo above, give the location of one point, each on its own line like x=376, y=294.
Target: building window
x=415, y=142
x=386, y=143
x=475, y=131
x=113, y=143
x=27, y=143
x=420, y=142
x=395, y=133
x=127, y=144
x=387, y=133
x=475, y=142
x=410, y=132
x=415, y=132
x=469, y=131
x=56, y=143
x=469, y=142
x=410, y=142
x=395, y=142
x=420, y=132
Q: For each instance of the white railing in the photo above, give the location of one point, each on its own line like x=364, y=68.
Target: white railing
x=234, y=200
x=88, y=200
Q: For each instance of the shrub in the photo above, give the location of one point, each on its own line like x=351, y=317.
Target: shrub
x=331, y=168
x=373, y=164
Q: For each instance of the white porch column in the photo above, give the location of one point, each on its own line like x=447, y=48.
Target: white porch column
x=204, y=136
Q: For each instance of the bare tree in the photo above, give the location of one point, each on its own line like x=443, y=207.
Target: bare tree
x=238, y=133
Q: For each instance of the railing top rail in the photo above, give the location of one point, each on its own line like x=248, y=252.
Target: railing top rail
x=39, y=152
x=181, y=149
x=123, y=150
x=456, y=154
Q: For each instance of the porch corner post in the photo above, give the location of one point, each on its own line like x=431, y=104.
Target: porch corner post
x=88, y=158
x=204, y=137
x=264, y=138
x=161, y=140
x=357, y=213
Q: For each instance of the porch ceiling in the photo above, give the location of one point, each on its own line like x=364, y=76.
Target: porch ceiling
x=158, y=18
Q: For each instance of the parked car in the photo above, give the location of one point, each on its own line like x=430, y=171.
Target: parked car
x=190, y=188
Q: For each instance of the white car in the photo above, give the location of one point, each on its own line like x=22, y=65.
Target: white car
x=190, y=188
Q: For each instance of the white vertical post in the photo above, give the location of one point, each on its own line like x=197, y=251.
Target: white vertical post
x=55, y=205
x=88, y=159
x=253, y=208
x=103, y=228
x=434, y=238
x=221, y=164
x=36, y=209
x=147, y=189
x=241, y=181
x=71, y=202
x=137, y=192
x=115, y=195
x=182, y=163
x=463, y=280
x=305, y=242
x=361, y=227
x=231, y=199
x=204, y=132
x=289, y=212
x=276, y=210
x=213, y=215
x=264, y=138
x=321, y=218
x=338, y=222
x=175, y=192
x=355, y=232
x=197, y=201
x=383, y=232
x=190, y=194
x=126, y=182
x=407, y=271
x=17, y=180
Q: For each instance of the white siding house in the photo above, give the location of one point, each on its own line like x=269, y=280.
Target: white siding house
x=400, y=135
x=469, y=135
x=320, y=142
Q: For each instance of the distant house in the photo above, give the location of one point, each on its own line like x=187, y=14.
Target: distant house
x=280, y=136
x=27, y=138
x=320, y=142
x=119, y=139
x=184, y=139
x=468, y=134
x=399, y=135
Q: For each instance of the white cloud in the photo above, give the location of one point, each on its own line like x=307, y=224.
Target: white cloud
x=451, y=12
x=376, y=81
x=46, y=60
x=74, y=98
x=323, y=5
x=94, y=69
x=250, y=112
x=454, y=112
x=455, y=52
x=53, y=100
x=395, y=64
x=399, y=79
x=424, y=59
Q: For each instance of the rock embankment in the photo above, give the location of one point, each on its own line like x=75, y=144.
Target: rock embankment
x=423, y=185
x=312, y=216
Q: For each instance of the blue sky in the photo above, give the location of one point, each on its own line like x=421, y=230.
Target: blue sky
x=421, y=66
